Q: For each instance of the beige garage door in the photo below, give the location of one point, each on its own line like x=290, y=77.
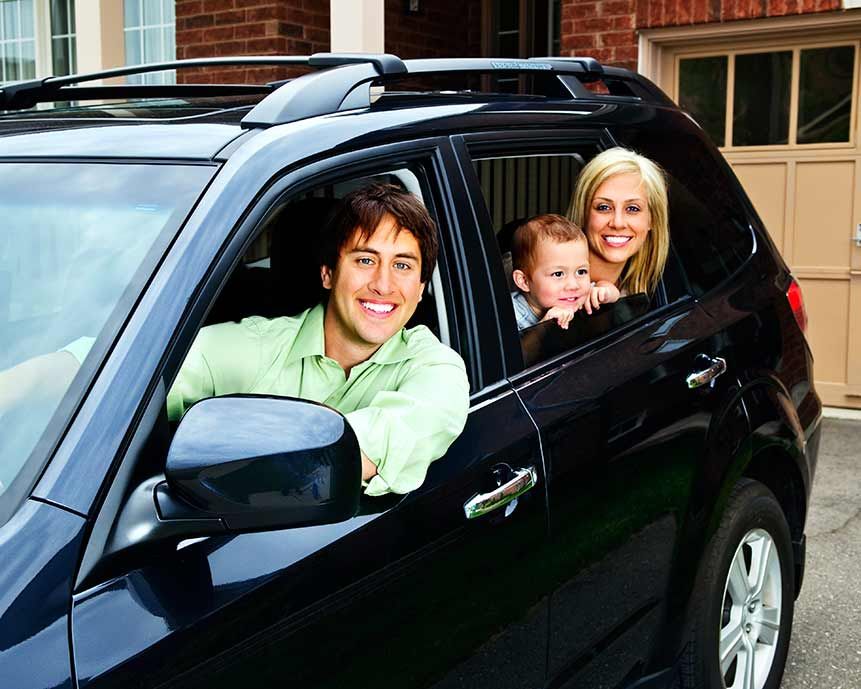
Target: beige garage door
x=785, y=115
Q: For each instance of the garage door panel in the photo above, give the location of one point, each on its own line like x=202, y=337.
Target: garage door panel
x=765, y=184
x=827, y=304
x=824, y=194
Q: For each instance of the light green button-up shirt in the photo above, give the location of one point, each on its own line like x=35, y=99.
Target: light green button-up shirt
x=406, y=404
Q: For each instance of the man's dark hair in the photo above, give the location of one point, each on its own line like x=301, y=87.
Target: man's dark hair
x=365, y=208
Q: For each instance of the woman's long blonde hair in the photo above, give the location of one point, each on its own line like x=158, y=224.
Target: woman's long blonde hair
x=643, y=270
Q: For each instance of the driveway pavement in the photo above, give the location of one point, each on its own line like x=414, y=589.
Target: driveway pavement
x=825, y=650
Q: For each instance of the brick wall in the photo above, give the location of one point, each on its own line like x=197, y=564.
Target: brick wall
x=217, y=28
x=606, y=29
x=443, y=28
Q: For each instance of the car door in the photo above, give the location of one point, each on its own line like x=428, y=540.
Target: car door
x=622, y=432
x=408, y=593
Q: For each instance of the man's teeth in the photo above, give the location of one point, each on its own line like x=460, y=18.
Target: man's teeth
x=378, y=308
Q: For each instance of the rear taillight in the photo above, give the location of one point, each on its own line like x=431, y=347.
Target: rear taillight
x=796, y=302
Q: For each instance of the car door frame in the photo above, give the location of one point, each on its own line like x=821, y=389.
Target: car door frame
x=506, y=143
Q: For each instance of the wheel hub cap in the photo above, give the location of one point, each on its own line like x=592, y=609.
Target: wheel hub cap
x=753, y=600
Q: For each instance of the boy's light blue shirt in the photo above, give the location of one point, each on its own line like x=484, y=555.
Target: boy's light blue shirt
x=524, y=314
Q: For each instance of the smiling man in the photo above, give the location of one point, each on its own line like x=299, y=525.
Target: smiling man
x=404, y=393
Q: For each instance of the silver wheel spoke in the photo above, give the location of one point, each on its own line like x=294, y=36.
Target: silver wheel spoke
x=761, y=564
x=738, y=584
x=769, y=620
x=749, y=676
x=731, y=642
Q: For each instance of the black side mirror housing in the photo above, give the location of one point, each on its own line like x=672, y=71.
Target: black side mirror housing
x=266, y=462
x=243, y=463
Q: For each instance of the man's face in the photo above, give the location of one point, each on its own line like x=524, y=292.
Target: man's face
x=375, y=287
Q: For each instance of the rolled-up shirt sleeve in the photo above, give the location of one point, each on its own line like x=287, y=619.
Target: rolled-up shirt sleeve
x=403, y=430
x=224, y=358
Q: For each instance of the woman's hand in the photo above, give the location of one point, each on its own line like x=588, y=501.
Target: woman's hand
x=602, y=292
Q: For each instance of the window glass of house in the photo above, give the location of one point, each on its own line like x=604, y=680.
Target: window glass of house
x=761, y=98
x=63, y=37
x=825, y=94
x=149, y=37
x=702, y=92
x=17, y=40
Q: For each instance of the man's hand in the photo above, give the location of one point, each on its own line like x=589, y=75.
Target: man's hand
x=602, y=292
x=369, y=469
x=561, y=315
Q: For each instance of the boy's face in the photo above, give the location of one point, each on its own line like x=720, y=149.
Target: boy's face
x=559, y=275
x=375, y=286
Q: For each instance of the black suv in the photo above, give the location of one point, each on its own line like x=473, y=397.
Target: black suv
x=656, y=458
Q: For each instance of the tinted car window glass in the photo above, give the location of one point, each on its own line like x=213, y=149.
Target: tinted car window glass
x=709, y=231
x=74, y=239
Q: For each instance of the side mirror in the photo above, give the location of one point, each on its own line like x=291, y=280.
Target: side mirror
x=247, y=463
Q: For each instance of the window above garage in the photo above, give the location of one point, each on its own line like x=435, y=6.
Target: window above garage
x=787, y=96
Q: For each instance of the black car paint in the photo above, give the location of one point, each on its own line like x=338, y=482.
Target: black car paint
x=162, y=620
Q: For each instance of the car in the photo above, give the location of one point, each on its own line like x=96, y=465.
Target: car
x=625, y=507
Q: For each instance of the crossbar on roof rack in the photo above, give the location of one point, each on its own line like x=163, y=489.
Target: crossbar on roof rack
x=26, y=94
x=349, y=87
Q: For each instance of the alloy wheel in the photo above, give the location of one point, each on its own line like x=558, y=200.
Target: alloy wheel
x=750, y=620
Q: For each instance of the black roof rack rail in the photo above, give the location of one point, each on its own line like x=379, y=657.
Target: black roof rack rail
x=348, y=87
x=25, y=94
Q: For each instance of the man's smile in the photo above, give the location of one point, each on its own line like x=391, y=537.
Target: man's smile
x=377, y=309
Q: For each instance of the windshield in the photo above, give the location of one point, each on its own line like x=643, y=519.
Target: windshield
x=77, y=242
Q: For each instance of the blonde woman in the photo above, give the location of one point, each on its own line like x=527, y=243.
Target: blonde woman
x=620, y=201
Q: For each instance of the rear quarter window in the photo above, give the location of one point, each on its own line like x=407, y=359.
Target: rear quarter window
x=709, y=227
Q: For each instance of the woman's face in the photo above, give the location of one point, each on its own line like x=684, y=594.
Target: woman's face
x=618, y=221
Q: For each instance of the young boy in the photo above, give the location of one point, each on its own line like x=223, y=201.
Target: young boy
x=550, y=257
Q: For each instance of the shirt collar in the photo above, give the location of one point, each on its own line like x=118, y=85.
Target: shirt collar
x=310, y=341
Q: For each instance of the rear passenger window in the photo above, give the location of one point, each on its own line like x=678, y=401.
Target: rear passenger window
x=709, y=237
x=517, y=188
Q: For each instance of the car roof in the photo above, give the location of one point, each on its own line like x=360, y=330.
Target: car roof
x=196, y=121
x=126, y=130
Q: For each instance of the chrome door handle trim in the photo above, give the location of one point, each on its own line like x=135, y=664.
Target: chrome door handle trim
x=717, y=366
x=482, y=503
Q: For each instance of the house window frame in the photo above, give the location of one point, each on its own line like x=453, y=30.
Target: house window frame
x=167, y=22
x=71, y=37
x=43, y=36
x=794, y=86
x=660, y=48
x=36, y=39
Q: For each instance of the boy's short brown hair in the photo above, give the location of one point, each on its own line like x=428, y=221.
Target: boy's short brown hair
x=365, y=208
x=524, y=243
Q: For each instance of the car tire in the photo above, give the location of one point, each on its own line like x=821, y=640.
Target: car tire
x=740, y=616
